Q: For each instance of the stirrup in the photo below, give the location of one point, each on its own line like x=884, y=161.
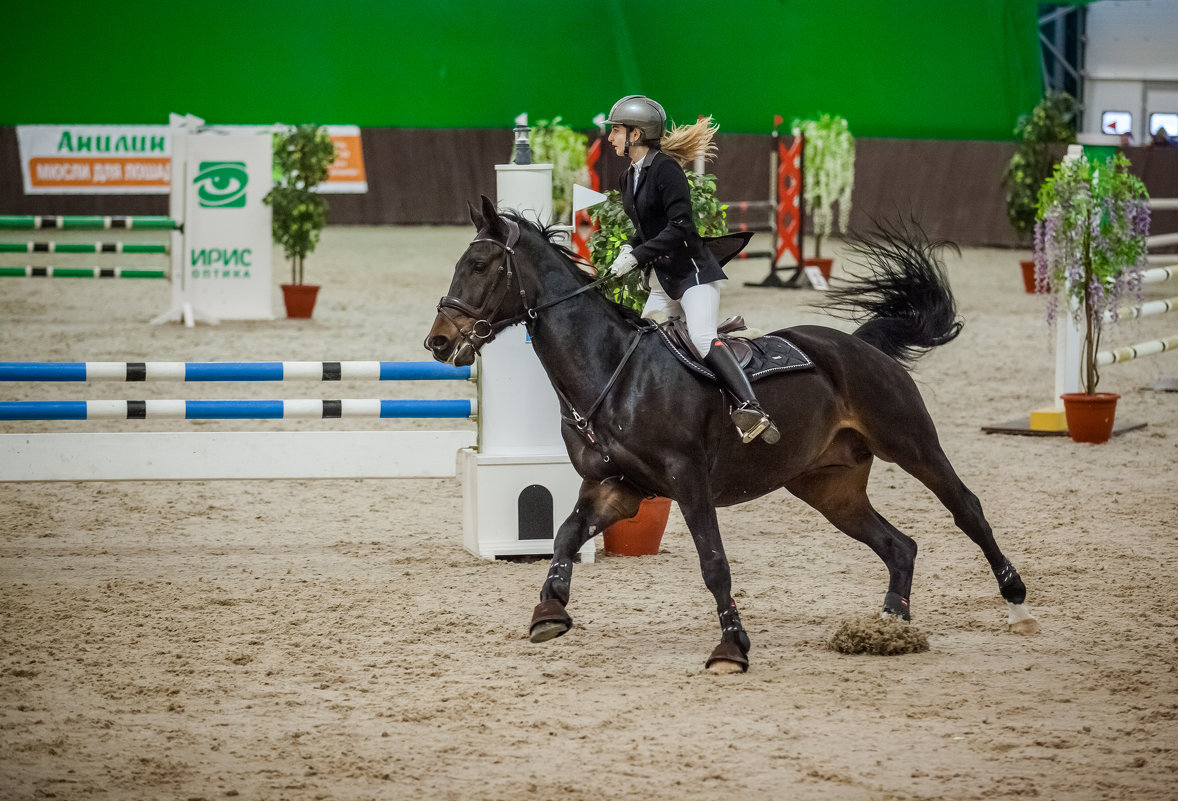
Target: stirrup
x=751, y=422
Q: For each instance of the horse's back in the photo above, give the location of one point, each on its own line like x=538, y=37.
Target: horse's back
x=874, y=394
x=833, y=350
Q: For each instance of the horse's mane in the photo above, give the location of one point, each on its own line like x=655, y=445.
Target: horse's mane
x=571, y=260
x=549, y=233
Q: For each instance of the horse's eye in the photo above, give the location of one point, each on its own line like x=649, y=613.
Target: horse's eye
x=478, y=266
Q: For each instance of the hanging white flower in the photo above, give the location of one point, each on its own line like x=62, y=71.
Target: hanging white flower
x=828, y=172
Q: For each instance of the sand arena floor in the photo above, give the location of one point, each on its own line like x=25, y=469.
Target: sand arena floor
x=333, y=640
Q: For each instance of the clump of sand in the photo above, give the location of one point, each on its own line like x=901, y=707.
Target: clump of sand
x=882, y=635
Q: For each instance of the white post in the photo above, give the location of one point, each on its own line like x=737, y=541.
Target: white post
x=1068, y=341
x=526, y=189
x=519, y=485
x=1069, y=337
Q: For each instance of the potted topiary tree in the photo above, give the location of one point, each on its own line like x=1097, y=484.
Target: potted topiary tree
x=1038, y=136
x=1090, y=245
x=642, y=534
x=301, y=158
x=828, y=176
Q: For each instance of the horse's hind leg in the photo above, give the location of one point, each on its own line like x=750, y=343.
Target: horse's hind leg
x=599, y=505
x=839, y=492
x=933, y=470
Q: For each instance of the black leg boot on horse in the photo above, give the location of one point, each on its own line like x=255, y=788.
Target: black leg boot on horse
x=750, y=418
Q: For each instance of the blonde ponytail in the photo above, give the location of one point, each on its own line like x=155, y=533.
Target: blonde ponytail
x=685, y=143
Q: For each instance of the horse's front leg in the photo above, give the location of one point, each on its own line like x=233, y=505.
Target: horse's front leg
x=731, y=655
x=599, y=505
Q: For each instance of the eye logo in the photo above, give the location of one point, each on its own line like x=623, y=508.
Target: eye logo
x=221, y=184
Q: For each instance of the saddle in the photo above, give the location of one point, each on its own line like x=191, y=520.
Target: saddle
x=760, y=357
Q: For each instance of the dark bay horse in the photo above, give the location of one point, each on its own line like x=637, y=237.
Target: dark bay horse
x=638, y=423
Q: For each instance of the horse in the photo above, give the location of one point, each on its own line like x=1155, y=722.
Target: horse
x=637, y=423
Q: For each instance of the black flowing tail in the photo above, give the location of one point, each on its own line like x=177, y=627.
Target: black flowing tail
x=902, y=303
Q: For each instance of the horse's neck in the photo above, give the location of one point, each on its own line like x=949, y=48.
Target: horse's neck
x=579, y=341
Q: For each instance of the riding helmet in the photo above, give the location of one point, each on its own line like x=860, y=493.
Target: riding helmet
x=639, y=111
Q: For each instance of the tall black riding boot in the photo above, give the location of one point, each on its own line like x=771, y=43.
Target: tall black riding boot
x=748, y=415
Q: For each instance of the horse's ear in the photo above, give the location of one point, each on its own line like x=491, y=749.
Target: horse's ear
x=490, y=213
x=475, y=217
x=489, y=220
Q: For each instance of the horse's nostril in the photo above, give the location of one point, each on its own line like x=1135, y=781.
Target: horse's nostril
x=436, y=343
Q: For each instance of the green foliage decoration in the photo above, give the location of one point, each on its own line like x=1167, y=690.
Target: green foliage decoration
x=828, y=175
x=1090, y=244
x=615, y=229
x=567, y=151
x=301, y=158
x=1049, y=123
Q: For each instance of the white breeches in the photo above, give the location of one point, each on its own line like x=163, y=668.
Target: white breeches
x=699, y=306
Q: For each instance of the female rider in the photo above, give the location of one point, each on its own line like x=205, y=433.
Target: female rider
x=681, y=271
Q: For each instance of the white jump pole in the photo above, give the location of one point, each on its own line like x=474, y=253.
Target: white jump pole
x=518, y=485
x=1069, y=337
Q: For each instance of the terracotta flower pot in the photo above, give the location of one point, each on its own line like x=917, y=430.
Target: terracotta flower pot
x=1029, y=276
x=824, y=265
x=299, y=299
x=1090, y=417
x=641, y=534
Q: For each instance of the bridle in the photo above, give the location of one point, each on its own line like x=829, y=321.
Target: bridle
x=483, y=330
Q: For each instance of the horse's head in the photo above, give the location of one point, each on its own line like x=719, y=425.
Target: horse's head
x=485, y=295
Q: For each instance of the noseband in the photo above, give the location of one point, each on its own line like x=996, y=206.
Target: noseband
x=483, y=330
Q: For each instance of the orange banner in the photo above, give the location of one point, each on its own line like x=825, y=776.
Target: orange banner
x=99, y=172
x=346, y=174
x=349, y=160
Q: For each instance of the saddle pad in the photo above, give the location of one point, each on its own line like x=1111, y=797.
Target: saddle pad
x=769, y=354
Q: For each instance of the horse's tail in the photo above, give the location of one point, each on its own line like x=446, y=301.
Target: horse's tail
x=902, y=303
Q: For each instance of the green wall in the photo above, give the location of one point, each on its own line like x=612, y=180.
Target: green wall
x=956, y=69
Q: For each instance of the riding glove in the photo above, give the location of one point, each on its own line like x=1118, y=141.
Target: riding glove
x=624, y=263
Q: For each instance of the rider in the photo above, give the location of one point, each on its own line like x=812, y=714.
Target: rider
x=682, y=272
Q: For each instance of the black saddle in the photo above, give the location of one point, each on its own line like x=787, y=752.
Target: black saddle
x=760, y=357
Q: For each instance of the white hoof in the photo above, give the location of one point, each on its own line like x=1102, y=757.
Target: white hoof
x=1020, y=620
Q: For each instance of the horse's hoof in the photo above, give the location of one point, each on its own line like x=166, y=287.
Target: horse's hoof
x=1029, y=626
x=722, y=667
x=543, y=632
x=895, y=604
x=727, y=658
x=549, y=621
x=1020, y=620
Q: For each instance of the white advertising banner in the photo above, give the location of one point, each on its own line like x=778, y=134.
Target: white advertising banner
x=95, y=159
x=136, y=159
x=227, y=240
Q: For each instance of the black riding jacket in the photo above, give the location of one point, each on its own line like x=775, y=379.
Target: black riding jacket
x=666, y=239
